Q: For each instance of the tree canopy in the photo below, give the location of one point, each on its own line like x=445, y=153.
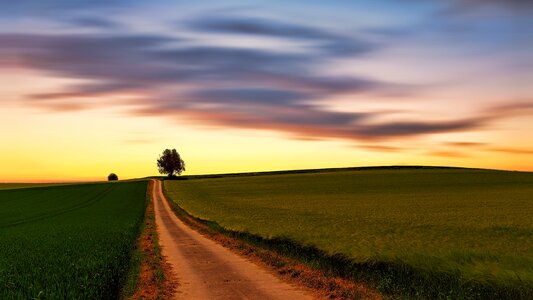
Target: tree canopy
x=112, y=177
x=170, y=163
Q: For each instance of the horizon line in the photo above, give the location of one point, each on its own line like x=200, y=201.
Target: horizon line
x=396, y=166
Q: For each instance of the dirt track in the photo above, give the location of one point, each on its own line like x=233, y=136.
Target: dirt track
x=206, y=270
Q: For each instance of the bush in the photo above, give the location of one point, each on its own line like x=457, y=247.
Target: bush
x=112, y=177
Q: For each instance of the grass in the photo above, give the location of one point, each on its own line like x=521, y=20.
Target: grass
x=279, y=258
x=68, y=242
x=421, y=233
x=149, y=274
x=8, y=186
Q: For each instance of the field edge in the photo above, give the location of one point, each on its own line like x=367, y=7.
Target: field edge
x=150, y=276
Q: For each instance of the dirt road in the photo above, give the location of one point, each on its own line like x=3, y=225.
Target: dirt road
x=206, y=270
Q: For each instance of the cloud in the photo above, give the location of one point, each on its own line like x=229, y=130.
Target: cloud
x=513, y=5
x=258, y=108
x=465, y=144
x=260, y=27
x=199, y=80
x=512, y=108
x=452, y=154
x=123, y=62
x=301, y=121
x=62, y=106
x=240, y=96
x=328, y=41
x=86, y=90
x=486, y=147
x=94, y=22
x=465, y=7
x=420, y=127
x=381, y=148
x=224, y=86
x=513, y=151
x=82, y=56
x=58, y=8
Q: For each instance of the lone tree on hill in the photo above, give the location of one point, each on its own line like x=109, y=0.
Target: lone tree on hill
x=170, y=162
x=112, y=177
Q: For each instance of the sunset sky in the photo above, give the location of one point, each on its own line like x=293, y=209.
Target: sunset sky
x=93, y=87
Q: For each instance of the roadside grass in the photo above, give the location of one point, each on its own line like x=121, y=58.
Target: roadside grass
x=149, y=276
x=68, y=242
x=416, y=233
x=131, y=283
x=324, y=284
x=132, y=279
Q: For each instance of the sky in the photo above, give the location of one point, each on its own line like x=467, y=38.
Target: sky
x=93, y=87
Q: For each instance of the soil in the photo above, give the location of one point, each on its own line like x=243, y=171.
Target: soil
x=207, y=270
x=151, y=284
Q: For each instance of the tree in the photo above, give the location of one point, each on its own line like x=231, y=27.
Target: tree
x=112, y=177
x=170, y=162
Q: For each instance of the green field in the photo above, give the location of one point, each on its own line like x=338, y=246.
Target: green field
x=8, y=186
x=440, y=233
x=68, y=242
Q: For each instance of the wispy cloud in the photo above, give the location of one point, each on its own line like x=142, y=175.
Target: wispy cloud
x=381, y=148
x=419, y=127
x=516, y=6
x=513, y=150
x=466, y=144
x=332, y=43
x=451, y=154
x=94, y=22
x=237, y=87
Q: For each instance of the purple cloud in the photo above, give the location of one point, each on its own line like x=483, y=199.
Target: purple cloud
x=330, y=42
x=224, y=85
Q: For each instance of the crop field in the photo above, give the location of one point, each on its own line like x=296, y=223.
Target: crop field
x=68, y=242
x=8, y=186
x=429, y=233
